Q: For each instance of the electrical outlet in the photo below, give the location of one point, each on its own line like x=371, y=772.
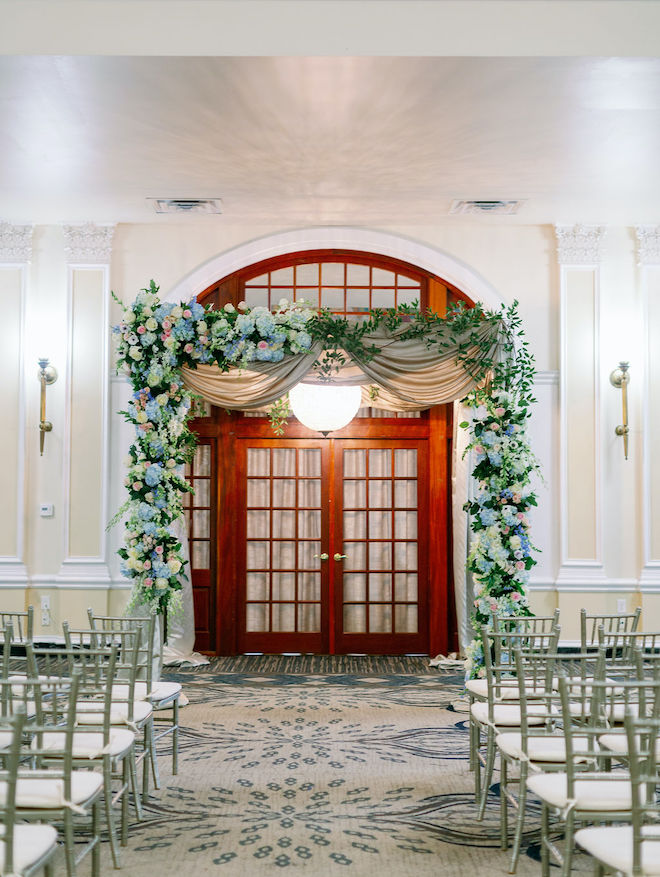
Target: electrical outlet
x=45, y=611
x=621, y=605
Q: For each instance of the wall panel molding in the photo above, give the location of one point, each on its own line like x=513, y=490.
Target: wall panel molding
x=15, y=256
x=86, y=455
x=579, y=250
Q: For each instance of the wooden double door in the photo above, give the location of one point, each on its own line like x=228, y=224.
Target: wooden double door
x=313, y=545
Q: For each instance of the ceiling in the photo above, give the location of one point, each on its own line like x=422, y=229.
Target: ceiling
x=350, y=140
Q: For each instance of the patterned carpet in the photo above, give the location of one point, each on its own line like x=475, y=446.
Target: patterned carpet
x=323, y=774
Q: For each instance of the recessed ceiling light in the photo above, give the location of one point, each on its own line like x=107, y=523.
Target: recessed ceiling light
x=186, y=205
x=498, y=207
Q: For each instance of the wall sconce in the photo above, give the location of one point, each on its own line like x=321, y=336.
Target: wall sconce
x=47, y=375
x=620, y=379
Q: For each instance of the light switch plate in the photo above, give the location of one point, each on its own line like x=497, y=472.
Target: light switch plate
x=46, y=510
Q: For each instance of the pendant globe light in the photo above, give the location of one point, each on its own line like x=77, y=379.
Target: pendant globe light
x=324, y=407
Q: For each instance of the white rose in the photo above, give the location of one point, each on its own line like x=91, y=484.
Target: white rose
x=177, y=313
x=161, y=584
x=242, y=305
x=129, y=317
x=174, y=565
x=202, y=328
x=151, y=324
x=135, y=353
x=229, y=307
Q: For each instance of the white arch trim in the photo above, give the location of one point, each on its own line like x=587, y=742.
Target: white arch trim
x=442, y=264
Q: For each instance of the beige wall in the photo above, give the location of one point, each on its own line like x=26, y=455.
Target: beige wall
x=64, y=315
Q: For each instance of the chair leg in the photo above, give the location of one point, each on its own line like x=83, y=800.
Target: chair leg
x=134, y=785
x=147, y=744
x=471, y=724
x=488, y=772
x=175, y=738
x=504, y=803
x=153, y=755
x=476, y=730
x=96, y=838
x=569, y=843
x=520, y=818
x=125, y=781
x=69, y=849
x=545, y=837
x=109, y=817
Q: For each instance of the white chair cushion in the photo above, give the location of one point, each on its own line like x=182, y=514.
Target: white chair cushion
x=541, y=749
x=89, y=744
x=592, y=795
x=120, y=692
x=163, y=692
x=42, y=793
x=31, y=844
x=509, y=714
x=5, y=739
x=618, y=743
x=508, y=689
x=613, y=844
x=87, y=712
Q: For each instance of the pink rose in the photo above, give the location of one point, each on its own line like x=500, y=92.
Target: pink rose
x=493, y=607
x=147, y=463
x=478, y=449
x=515, y=596
x=188, y=348
x=506, y=530
x=148, y=582
x=262, y=345
x=164, y=336
x=141, y=330
x=500, y=411
x=516, y=498
x=147, y=564
x=187, y=313
x=520, y=564
x=167, y=325
x=159, y=549
x=174, y=388
x=520, y=515
x=137, y=485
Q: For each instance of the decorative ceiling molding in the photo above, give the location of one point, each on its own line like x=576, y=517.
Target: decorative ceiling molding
x=648, y=244
x=88, y=244
x=15, y=242
x=579, y=244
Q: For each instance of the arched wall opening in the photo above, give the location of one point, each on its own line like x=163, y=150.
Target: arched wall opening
x=338, y=545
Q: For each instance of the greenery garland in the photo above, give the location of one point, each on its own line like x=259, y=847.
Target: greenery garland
x=155, y=339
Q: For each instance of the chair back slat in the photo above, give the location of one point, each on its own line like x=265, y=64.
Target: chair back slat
x=590, y=625
x=22, y=624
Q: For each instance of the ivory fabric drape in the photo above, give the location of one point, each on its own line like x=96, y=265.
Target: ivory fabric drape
x=461, y=488
x=407, y=373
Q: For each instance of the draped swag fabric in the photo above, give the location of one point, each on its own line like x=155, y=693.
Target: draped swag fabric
x=408, y=374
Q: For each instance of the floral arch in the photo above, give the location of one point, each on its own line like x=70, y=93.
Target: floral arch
x=164, y=346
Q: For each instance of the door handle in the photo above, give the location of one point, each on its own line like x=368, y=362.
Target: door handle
x=323, y=556
x=339, y=556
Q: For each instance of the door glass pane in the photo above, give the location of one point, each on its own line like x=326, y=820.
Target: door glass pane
x=355, y=525
x=309, y=462
x=380, y=525
x=306, y=552
x=333, y=299
x=355, y=494
x=355, y=463
x=380, y=277
x=201, y=523
x=356, y=555
x=257, y=586
x=284, y=586
x=309, y=586
x=309, y=493
x=355, y=587
x=284, y=461
x=309, y=618
x=380, y=494
x=284, y=616
x=201, y=555
x=380, y=555
x=256, y=617
x=405, y=619
x=355, y=619
x=405, y=586
x=405, y=525
x=405, y=555
x=202, y=460
x=202, y=491
x=284, y=555
x=380, y=587
x=357, y=275
x=380, y=619
x=258, y=461
x=380, y=462
x=284, y=524
x=308, y=274
x=332, y=273
x=258, y=492
x=257, y=555
x=405, y=462
x=284, y=492
x=309, y=524
x=258, y=525
x=405, y=494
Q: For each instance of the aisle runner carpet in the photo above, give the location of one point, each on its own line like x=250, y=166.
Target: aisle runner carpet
x=321, y=774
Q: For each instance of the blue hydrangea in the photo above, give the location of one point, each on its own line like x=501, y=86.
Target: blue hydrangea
x=153, y=410
x=196, y=309
x=304, y=339
x=145, y=511
x=244, y=324
x=183, y=330
x=265, y=324
x=487, y=517
x=153, y=474
x=495, y=458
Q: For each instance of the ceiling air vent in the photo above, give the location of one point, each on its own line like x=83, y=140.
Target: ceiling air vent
x=501, y=208
x=186, y=205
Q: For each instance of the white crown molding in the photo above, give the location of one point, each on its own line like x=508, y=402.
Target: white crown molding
x=13, y=573
x=648, y=244
x=88, y=244
x=579, y=244
x=84, y=571
x=582, y=575
x=15, y=242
